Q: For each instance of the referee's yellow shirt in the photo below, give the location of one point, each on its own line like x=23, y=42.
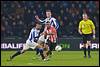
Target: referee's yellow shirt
x=86, y=26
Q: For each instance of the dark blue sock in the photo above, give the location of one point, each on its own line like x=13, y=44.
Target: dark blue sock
x=41, y=52
x=37, y=51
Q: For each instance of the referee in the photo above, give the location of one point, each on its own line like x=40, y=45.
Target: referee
x=87, y=30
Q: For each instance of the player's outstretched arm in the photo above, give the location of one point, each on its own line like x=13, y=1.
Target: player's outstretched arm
x=37, y=18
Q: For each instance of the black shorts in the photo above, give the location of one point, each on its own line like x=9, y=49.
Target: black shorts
x=86, y=37
x=51, y=45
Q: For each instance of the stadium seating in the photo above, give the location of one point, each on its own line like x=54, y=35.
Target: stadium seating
x=17, y=17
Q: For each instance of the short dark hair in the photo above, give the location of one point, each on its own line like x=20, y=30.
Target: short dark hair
x=35, y=23
x=84, y=14
x=48, y=10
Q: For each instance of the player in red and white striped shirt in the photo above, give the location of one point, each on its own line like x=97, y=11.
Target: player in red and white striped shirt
x=51, y=36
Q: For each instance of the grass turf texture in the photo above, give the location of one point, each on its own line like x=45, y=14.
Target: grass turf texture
x=62, y=58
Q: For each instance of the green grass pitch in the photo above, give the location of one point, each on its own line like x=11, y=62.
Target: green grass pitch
x=63, y=58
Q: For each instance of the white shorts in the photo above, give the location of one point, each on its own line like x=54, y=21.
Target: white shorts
x=29, y=44
x=42, y=38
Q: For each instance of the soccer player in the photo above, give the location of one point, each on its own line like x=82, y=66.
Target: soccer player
x=52, y=20
x=51, y=37
x=41, y=41
x=31, y=42
x=87, y=30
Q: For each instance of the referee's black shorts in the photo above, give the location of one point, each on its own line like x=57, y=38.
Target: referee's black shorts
x=86, y=37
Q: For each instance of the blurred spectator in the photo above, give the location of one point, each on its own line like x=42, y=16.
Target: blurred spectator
x=17, y=16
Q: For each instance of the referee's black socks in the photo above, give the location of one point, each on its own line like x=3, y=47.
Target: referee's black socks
x=84, y=48
x=89, y=51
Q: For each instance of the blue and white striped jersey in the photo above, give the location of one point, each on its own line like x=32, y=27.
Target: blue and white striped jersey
x=34, y=35
x=53, y=22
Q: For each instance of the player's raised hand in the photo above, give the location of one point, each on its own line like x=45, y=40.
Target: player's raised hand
x=37, y=17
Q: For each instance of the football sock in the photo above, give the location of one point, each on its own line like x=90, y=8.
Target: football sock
x=84, y=51
x=49, y=53
x=88, y=50
x=16, y=54
x=37, y=51
x=41, y=52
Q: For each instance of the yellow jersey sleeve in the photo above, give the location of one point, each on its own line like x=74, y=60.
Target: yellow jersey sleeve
x=92, y=25
x=80, y=25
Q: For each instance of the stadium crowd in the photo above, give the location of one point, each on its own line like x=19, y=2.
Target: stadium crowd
x=17, y=17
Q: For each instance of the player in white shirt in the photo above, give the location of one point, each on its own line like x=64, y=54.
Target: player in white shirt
x=31, y=42
x=49, y=18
